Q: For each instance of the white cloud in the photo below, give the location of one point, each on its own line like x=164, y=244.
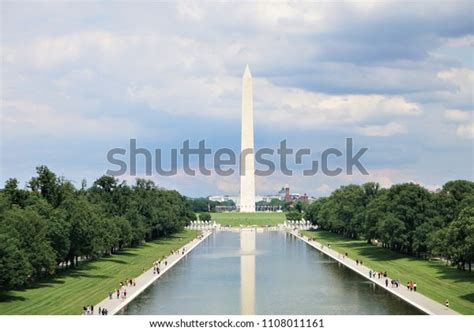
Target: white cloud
x=457, y=115
x=465, y=130
x=190, y=9
x=48, y=52
x=324, y=188
x=26, y=119
x=461, y=81
x=220, y=98
x=386, y=130
x=465, y=121
x=467, y=40
x=311, y=109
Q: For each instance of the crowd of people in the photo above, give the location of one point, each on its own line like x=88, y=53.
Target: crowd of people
x=121, y=292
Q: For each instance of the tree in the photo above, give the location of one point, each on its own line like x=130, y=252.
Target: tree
x=392, y=232
x=343, y=211
x=59, y=230
x=206, y=217
x=15, y=195
x=46, y=183
x=453, y=197
x=460, y=236
x=53, y=222
x=313, y=210
x=15, y=268
x=32, y=232
x=294, y=215
x=83, y=218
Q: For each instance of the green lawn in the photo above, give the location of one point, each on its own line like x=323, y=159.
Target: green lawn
x=88, y=284
x=433, y=278
x=237, y=219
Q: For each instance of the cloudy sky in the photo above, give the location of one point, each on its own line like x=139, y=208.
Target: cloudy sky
x=79, y=79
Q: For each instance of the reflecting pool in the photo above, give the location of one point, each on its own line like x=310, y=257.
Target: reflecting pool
x=262, y=273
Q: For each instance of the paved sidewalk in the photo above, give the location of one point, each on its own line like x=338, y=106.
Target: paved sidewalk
x=114, y=305
x=416, y=299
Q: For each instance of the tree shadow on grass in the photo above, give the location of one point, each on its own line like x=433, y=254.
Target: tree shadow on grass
x=453, y=274
x=469, y=297
x=378, y=254
x=114, y=260
x=9, y=297
x=121, y=253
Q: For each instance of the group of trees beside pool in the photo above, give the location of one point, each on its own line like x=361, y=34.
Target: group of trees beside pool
x=406, y=218
x=52, y=225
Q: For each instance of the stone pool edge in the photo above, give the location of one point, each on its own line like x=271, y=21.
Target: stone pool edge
x=416, y=299
x=147, y=278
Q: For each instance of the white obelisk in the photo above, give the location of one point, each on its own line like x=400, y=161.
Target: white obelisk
x=247, y=165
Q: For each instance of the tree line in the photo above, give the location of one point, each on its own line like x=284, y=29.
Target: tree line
x=406, y=218
x=51, y=224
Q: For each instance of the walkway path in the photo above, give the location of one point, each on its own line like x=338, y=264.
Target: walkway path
x=416, y=299
x=114, y=305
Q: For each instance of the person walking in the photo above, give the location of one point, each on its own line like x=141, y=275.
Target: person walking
x=110, y=294
x=370, y=273
x=386, y=282
x=414, y=287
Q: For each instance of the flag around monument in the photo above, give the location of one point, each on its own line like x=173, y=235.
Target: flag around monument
x=247, y=162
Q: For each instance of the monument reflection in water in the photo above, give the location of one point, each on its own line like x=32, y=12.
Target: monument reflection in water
x=262, y=273
x=247, y=271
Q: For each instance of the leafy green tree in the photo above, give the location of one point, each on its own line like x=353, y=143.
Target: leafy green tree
x=206, y=217
x=294, y=215
x=59, y=230
x=453, y=197
x=15, y=269
x=55, y=223
x=33, y=240
x=392, y=232
x=46, y=183
x=15, y=195
x=83, y=218
x=312, y=212
x=460, y=236
x=374, y=212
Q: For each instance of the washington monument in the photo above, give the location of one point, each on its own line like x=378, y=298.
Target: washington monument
x=247, y=175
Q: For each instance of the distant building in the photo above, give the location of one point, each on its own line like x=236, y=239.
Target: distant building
x=223, y=198
x=268, y=198
x=286, y=196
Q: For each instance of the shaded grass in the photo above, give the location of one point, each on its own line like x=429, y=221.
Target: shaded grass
x=72, y=289
x=433, y=278
x=237, y=219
